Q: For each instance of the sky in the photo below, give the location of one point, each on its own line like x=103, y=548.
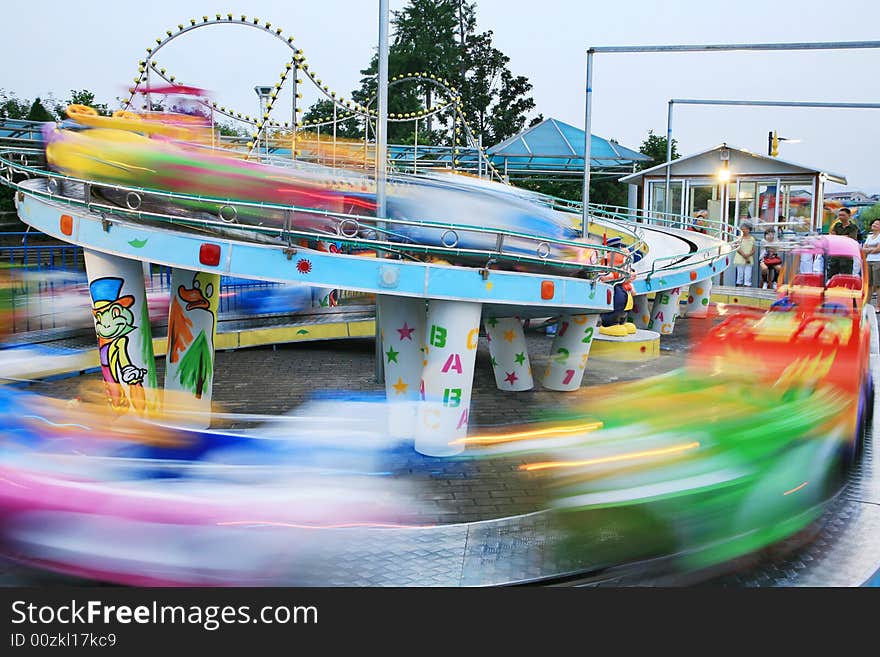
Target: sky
x=96, y=44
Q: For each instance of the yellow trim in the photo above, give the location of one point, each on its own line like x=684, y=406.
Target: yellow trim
x=625, y=350
x=88, y=359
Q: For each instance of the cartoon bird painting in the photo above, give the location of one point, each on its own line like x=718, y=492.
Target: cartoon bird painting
x=192, y=312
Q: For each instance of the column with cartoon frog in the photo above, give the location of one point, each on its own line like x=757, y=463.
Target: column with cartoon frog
x=192, y=330
x=122, y=324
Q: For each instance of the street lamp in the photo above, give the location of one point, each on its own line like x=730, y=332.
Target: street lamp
x=773, y=143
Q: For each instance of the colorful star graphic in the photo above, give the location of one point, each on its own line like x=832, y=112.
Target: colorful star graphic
x=494, y=362
x=400, y=387
x=520, y=358
x=392, y=355
x=492, y=321
x=511, y=377
x=508, y=335
x=406, y=332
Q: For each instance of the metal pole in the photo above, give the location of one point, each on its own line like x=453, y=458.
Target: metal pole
x=668, y=156
x=382, y=120
x=381, y=157
x=726, y=47
x=776, y=103
x=334, y=134
x=293, y=110
x=416, y=147
x=588, y=116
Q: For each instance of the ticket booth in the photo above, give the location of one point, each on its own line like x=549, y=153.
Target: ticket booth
x=736, y=185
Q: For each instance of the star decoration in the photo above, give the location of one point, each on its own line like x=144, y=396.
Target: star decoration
x=520, y=358
x=511, y=377
x=406, y=332
x=508, y=335
x=492, y=321
x=488, y=286
x=400, y=387
x=392, y=355
x=494, y=362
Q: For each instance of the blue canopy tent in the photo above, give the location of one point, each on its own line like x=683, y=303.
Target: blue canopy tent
x=552, y=147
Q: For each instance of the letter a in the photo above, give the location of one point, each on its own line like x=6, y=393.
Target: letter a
x=453, y=362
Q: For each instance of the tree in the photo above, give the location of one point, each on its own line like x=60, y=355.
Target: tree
x=11, y=107
x=654, y=147
x=868, y=215
x=425, y=42
x=229, y=130
x=38, y=112
x=439, y=38
x=322, y=110
x=84, y=97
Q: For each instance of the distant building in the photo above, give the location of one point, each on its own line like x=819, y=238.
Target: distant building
x=850, y=197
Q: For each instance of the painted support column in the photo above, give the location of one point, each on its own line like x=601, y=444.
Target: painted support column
x=640, y=313
x=122, y=324
x=192, y=333
x=569, y=353
x=665, y=311
x=452, y=329
x=699, y=294
x=402, y=333
x=510, y=356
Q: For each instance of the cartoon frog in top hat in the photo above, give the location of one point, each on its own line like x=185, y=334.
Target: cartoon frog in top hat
x=114, y=321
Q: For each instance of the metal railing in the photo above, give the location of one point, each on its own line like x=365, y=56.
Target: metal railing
x=354, y=231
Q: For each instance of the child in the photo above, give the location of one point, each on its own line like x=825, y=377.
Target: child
x=770, y=261
x=742, y=261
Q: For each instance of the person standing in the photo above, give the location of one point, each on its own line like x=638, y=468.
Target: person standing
x=843, y=226
x=744, y=257
x=871, y=249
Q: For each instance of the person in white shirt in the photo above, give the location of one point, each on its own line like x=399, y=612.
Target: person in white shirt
x=871, y=249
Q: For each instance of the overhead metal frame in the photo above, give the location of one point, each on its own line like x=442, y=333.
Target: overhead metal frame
x=724, y=47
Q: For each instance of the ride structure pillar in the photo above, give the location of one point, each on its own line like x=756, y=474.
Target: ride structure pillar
x=699, y=294
x=192, y=333
x=122, y=325
x=452, y=330
x=665, y=311
x=640, y=313
x=401, y=332
x=569, y=353
x=510, y=356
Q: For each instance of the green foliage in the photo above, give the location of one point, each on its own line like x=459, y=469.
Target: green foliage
x=439, y=37
x=867, y=215
x=322, y=110
x=603, y=190
x=84, y=97
x=38, y=112
x=654, y=147
x=11, y=107
x=230, y=130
